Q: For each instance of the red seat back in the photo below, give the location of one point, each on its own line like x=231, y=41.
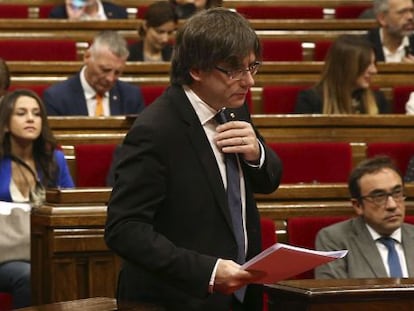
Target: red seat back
x=268, y=228
x=5, y=301
x=282, y=50
x=14, y=11
x=400, y=95
x=151, y=92
x=350, y=11
x=45, y=9
x=310, y=162
x=321, y=49
x=400, y=152
x=302, y=232
x=38, y=49
x=37, y=88
x=280, y=99
x=141, y=10
x=92, y=164
x=274, y=12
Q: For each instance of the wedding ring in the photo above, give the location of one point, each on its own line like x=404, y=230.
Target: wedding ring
x=242, y=141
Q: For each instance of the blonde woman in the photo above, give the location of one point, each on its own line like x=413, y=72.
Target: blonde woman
x=345, y=84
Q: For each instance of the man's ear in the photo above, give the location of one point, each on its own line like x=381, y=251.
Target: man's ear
x=196, y=74
x=357, y=206
x=381, y=18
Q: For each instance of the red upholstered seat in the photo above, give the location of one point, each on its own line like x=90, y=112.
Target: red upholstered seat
x=309, y=162
x=5, y=302
x=14, y=11
x=282, y=50
x=400, y=152
x=400, y=95
x=151, y=92
x=280, y=99
x=37, y=88
x=302, y=232
x=141, y=10
x=350, y=11
x=38, y=49
x=92, y=164
x=263, y=12
x=321, y=49
x=45, y=9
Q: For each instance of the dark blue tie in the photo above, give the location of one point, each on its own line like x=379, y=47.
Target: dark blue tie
x=234, y=201
x=393, y=260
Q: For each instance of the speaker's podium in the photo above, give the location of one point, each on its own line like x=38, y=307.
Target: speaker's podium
x=69, y=257
x=342, y=295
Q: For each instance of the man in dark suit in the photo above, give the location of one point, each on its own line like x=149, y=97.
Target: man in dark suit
x=96, y=89
x=88, y=10
x=393, y=41
x=168, y=216
x=377, y=191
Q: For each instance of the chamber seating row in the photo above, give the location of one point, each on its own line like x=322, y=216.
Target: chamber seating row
x=277, y=83
x=15, y=48
x=251, y=9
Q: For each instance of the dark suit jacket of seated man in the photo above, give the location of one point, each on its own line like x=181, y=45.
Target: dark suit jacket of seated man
x=67, y=98
x=112, y=11
x=96, y=90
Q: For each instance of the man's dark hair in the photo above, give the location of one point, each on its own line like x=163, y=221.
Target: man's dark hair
x=369, y=166
x=212, y=36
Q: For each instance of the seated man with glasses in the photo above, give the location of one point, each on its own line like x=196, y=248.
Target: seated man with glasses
x=380, y=244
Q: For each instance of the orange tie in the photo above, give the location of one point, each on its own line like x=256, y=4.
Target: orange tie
x=99, y=106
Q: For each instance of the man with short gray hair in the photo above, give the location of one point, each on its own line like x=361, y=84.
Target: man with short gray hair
x=393, y=40
x=96, y=89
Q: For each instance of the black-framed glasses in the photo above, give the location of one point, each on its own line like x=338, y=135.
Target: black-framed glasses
x=238, y=74
x=381, y=198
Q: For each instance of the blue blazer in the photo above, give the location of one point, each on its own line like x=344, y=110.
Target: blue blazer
x=112, y=11
x=67, y=98
x=63, y=179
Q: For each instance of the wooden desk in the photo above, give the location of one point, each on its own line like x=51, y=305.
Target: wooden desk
x=92, y=304
x=70, y=259
x=342, y=295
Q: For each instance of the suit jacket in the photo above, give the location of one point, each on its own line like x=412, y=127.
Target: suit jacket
x=309, y=101
x=168, y=216
x=136, y=52
x=111, y=10
x=374, y=37
x=363, y=259
x=63, y=178
x=67, y=98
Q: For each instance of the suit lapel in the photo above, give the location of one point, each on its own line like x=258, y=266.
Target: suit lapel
x=114, y=102
x=202, y=148
x=79, y=104
x=408, y=245
x=368, y=249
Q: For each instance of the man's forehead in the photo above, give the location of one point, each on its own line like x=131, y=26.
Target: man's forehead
x=384, y=178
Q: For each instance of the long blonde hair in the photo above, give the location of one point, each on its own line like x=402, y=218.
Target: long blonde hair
x=348, y=57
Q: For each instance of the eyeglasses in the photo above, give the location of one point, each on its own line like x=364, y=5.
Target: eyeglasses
x=381, y=198
x=238, y=74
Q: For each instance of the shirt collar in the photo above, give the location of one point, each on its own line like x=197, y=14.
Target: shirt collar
x=396, y=235
x=87, y=89
x=204, y=112
x=405, y=42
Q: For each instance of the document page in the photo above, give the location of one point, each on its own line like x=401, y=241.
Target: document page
x=281, y=261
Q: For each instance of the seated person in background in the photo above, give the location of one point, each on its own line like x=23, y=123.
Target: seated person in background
x=4, y=77
x=409, y=106
x=96, y=90
x=393, y=40
x=344, y=87
x=377, y=196
x=28, y=155
x=186, y=8
x=88, y=10
x=155, y=32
